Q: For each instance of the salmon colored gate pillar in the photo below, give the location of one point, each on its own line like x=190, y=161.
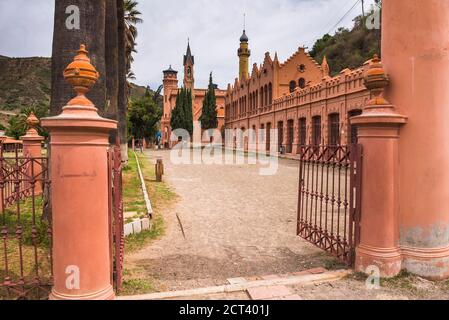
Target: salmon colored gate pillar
x=379, y=135
x=32, y=147
x=79, y=175
x=415, y=53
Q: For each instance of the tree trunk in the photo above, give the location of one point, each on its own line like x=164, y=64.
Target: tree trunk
x=122, y=83
x=111, y=59
x=67, y=41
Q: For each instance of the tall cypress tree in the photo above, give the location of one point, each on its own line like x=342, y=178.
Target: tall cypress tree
x=188, y=112
x=177, y=115
x=209, y=116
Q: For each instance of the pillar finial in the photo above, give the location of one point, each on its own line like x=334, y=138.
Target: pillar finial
x=376, y=80
x=32, y=123
x=82, y=75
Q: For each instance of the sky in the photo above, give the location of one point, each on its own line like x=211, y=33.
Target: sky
x=213, y=26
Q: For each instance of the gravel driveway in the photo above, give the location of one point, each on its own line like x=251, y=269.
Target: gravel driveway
x=228, y=222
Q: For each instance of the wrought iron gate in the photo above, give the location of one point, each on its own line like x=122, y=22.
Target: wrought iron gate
x=116, y=216
x=25, y=227
x=330, y=197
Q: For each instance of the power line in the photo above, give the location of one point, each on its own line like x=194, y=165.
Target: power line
x=345, y=15
x=335, y=16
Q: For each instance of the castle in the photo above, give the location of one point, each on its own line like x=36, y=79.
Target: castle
x=170, y=84
x=298, y=98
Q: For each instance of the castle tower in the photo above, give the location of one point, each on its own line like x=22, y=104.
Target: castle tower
x=189, y=63
x=170, y=84
x=244, y=53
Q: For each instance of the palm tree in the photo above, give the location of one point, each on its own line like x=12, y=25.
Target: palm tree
x=67, y=41
x=132, y=18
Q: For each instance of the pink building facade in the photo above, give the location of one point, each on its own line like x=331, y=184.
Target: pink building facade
x=300, y=100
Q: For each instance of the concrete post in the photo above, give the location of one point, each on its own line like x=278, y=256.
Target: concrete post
x=379, y=135
x=32, y=147
x=79, y=175
x=415, y=52
x=159, y=169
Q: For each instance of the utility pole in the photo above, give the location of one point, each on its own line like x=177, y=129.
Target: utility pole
x=363, y=9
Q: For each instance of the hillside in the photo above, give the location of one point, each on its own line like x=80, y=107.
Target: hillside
x=26, y=82
x=347, y=48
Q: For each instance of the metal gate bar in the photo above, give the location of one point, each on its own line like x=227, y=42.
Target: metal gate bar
x=25, y=230
x=329, y=198
x=117, y=235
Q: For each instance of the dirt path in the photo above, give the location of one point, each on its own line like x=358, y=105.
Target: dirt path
x=236, y=223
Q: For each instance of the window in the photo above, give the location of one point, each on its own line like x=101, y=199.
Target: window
x=262, y=133
x=334, y=129
x=266, y=95
x=353, y=130
x=255, y=99
x=302, y=83
x=290, y=135
x=280, y=133
x=261, y=97
x=268, y=137
x=303, y=131
x=270, y=93
x=316, y=130
x=292, y=86
x=302, y=68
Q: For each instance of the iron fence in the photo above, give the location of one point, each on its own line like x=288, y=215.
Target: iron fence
x=25, y=228
x=116, y=225
x=329, y=198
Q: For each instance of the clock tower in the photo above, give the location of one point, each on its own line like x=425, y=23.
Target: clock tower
x=189, y=62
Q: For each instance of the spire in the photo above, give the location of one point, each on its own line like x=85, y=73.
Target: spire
x=244, y=37
x=188, y=56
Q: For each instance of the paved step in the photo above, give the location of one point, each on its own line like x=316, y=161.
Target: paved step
x=274, y=288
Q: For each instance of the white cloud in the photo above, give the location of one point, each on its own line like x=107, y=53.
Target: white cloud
x=214, y=28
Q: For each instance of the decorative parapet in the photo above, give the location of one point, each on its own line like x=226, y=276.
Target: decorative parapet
x=345, y=83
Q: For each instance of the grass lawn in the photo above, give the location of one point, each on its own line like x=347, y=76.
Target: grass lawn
x=160, y=194
x=161, y=198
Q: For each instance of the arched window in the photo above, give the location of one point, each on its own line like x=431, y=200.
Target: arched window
x=292, y=86
x=353, y=130
x=302, y=83
x=302, y=131
x=316, y=130
x=270, y=93
x=255, y=99
x=266, y=95
x=261, y=97
x=334, y=129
